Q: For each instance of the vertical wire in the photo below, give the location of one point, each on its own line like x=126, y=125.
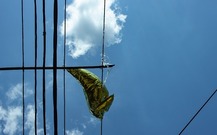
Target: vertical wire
x=101, y=125
x=35, y=74
x=23, y=75
x=55, y=21
x=102, y=62
x=44, y=63
x=103, y=38
x=64, y=73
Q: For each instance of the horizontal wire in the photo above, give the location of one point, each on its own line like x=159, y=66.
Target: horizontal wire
x=47, y=68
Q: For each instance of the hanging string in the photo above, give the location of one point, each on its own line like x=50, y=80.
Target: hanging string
x=64, y=73
x=36, y=48
x=23, y=75
x=109, y=70
x=103, y=55
x=44, y=64
x=197, y=112
x=55, y=21
x=106, y=64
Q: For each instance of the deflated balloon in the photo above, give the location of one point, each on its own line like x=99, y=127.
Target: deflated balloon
x=96, y=93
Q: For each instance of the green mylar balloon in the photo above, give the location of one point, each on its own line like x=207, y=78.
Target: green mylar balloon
x=96, y=93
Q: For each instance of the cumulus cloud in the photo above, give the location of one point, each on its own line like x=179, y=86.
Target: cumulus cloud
x=74, y=132
x=90, y=121
x=93, y=121
x=11, y=116
x=84, y=25
x=15, y=91
x=30, y=116
x=30, y=121
x=11, y=119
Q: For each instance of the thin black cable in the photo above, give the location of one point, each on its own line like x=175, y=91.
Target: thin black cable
x=51, y=68
x=197, y=112
x=102, y=62
x=35, y=74
x=55, y=21
x=103, y=37
x=103, y=42
x=101, y=125
x=23, y=74
x=64, y=73
x=44, y=64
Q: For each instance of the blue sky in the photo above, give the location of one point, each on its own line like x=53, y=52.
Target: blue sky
x=165, y=69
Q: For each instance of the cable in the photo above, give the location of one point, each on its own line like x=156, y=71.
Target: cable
x=36, y=47
x=102, y=62
x=51, y=68
x=197, y=112
x=55, y=21
x=101, y=121
x=23, y=74
x=44, y=64
x=64, y=73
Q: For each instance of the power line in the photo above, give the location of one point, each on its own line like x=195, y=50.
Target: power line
x=55, y=27
x=54, y=67
x=23, y=74
x=36, y=51
x=64, y=72
x=103, y=55
x=51, y=68
x=197, y=112
x=44, y=64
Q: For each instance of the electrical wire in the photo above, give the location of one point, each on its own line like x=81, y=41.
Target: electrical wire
x=55, y=27
x=64, y=72
x=23, y=63
x=197, y=112
x=103, y=55
x=51, y=68
x=44, y=64
x=35, y=73
x=103, y=38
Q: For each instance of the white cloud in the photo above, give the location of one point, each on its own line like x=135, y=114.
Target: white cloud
x=12, y=120
x=84, y=126
x=2, y=117
x=30, y=121
x=93, y=121
x=90, y=121
x=2, y=113
x=49, y=83
x=15, y=92
x=74, y=132
x=84, y=25
x=30, y=118
x=11, y=117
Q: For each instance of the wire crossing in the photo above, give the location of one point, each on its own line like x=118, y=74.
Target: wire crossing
x=54, y=67
x=35, y=68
